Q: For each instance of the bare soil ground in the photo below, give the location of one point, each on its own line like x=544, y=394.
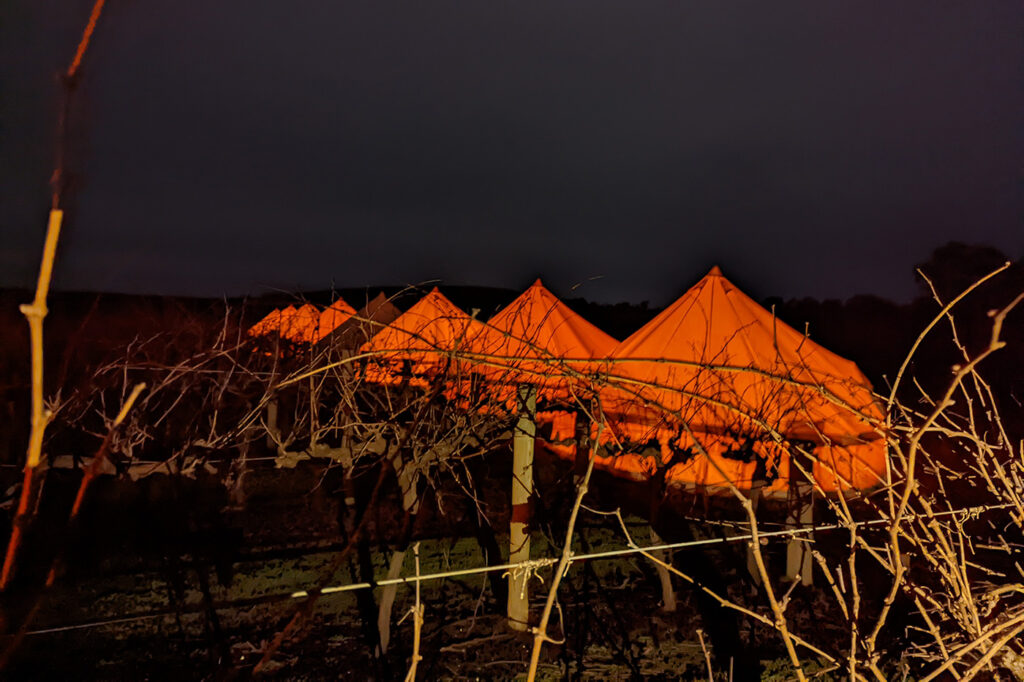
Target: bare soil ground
x=131, y=617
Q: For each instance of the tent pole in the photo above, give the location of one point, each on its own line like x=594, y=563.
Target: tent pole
x=522, y=489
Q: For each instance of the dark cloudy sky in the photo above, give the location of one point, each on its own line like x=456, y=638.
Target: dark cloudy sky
x=816, y=148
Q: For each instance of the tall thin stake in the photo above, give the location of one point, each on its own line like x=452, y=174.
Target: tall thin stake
x=36, y=311
x=540, y=634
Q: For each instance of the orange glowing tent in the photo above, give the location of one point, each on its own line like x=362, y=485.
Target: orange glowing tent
x=377, y=314
x=332, y=317
x=417, y=345
x=535, y=340
x=270, y=324
x=718, y=362
x=538, y=340
x=278, y=322
x=302, y=325
x=306, y=324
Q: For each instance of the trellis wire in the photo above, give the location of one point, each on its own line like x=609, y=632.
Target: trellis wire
x=776, y=534
x=532, y=564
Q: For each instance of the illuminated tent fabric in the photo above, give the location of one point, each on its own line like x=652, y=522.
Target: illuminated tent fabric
x=693, y=469
x=332, y=317
x=302, y=325
x=377, y=314
x=270, y=324
x=277, y=322
x=417, y=344
x=306, y=324
x=532, y=339
x=857, y=465
x=417, y=348
x=285, y=322
x=556, y=432
x=722, y=364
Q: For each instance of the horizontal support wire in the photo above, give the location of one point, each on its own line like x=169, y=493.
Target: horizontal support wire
x=529, y=565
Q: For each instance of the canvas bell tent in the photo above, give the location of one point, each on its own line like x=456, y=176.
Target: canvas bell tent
x=717, y=374
x=537, y=339
x=359, y=328
x=305, y=324
x=538, y=349
x=277, y=322
x=420, y=344
x=333, y=317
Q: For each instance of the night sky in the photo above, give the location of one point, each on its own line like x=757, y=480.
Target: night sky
x=811, y=148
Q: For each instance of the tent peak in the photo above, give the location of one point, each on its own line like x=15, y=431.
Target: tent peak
x=537, y=283
x=340, y=304
x=715, y=271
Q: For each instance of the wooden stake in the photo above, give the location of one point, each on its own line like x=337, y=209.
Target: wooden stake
x=272, y=424
x=668, y=594
x=799, y=560
x=522, y=489
x=755, y=498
